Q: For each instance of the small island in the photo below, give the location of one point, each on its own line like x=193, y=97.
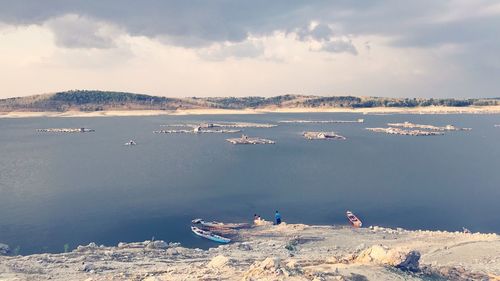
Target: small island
x=410, y=125
x=196, y=130
x=322, y=121
x=207, y=125
x=211, y=128
x=323, y=136
x=398, y=131
x=240, y=125
x=65, y=130
x=244, y=139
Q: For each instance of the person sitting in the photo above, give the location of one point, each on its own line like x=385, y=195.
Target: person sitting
x=277, y=217
x=256, y=219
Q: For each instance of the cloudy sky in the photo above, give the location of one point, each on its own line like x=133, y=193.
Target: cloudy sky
x=422, y=48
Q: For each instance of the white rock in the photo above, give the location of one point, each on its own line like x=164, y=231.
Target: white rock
x=219, y=262
x=270, y=264
x=360, y=247
x=400, y=258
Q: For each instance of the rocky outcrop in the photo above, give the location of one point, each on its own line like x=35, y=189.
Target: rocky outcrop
x=457, y=273
x=411, y=262
x=399, y=258
x=267, y=269
x=219, y=262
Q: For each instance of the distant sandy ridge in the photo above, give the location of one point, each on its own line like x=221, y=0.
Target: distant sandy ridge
x=212, y=111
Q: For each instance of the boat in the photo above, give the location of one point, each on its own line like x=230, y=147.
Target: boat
x=209, y=235
x=130, y=142
x=217, y=224
x=353, y=219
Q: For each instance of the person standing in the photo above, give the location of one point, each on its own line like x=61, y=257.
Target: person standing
x=277, y=217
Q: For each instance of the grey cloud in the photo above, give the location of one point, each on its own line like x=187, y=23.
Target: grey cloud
x=74, y=31
x=461, y=32
x=325, y=35
x=183, y=22
x=201, y=23
x=340, y=46
x=320, y=32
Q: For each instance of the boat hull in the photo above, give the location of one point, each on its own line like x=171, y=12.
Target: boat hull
x=209, y=235
x=353, y=219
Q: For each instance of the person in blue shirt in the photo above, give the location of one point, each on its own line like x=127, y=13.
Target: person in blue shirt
x=277, y=217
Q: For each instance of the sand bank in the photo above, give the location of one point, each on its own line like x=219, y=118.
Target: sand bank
x=285, y=252
x=375, y=110
x=396, y=110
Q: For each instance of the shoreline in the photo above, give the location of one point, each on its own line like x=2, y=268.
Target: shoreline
x=283, y=252
x=210, y=111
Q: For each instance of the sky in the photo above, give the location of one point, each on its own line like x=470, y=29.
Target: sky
x=391, y=48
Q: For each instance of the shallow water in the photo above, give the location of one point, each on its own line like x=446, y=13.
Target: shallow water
x=58, y=189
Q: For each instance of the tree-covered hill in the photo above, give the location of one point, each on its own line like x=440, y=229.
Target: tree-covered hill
x=90, y=100
x=94, y=100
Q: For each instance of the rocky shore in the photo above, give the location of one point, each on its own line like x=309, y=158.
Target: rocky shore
x=285, y=252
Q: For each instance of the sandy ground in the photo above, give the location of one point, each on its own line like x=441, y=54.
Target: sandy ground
x=285, y=252
x=376, y=110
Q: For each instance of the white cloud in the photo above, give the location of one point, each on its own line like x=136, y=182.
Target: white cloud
x=250, y=48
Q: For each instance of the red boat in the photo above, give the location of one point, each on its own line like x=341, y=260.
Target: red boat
x=353, y=219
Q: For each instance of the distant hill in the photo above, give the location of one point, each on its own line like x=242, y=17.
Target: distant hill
x=94, y=100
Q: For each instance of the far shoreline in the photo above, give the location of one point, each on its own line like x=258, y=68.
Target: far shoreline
x=214, y=111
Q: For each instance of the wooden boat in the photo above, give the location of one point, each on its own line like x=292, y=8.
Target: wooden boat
x=353, y=219
x=209, y=235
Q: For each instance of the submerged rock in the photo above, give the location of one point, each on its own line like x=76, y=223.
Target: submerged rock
x=158, y=244
x=90, y=246
x=4, y=249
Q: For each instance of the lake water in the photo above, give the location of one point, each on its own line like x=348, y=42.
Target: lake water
x=58, y=189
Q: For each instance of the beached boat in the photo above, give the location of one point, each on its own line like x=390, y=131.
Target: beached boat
x=353, y=219
x=209, y=235
x=217, y=224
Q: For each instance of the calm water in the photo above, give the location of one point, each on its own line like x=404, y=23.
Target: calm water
x=58, y=189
